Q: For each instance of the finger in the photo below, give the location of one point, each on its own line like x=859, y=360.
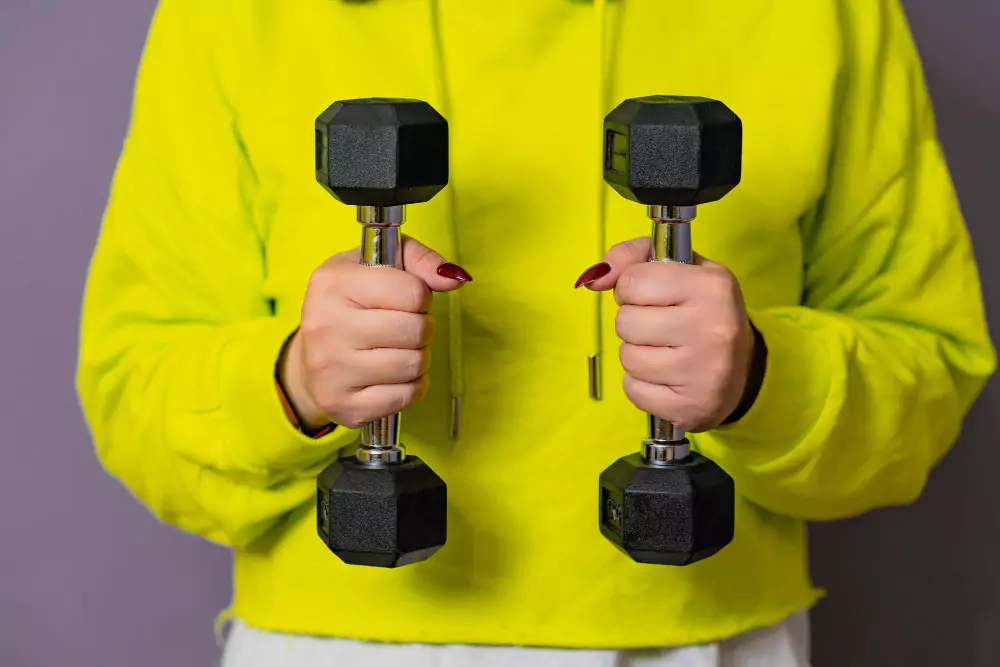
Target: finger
x=659, y=400
x=371, y=329
x=652, y=325
x=604, y=275
x=352, y=256
x=657, y=365
x=701, y=260
x=657, y=284
x=389, y=366
x=372, y=287
x=386, y=399
x=439, y=274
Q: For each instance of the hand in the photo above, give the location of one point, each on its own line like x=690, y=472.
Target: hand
x=687, y=344
x=361, y=351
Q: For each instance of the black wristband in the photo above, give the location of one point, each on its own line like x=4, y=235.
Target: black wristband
x=755, y=377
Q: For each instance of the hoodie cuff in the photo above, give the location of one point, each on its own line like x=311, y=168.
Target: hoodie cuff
x=257, y=423
x=292, y=416
x=793, y=392
x=755, y=377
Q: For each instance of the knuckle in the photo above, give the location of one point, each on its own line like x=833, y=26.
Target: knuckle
x=404, y=397
x=428, y=328
x=648, y=271
x=352, y=420
x=695, y=420
x=353, y=412
x=718, y=284
x=632, y=389
x=312, y=327
x=624, y=322
x=627, y=279
x=421, y=254
x=315, y=358
x=701, y=415
x=322, y=280
x=420, y=388
x=627, y=355
x=731, y=333
x=421, y=330
x=415, y=294
x=412, y=364
x=627, y=384
x=330, y=404
x=725, y=334
x=622, y=247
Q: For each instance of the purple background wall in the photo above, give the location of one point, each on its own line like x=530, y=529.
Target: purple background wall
x=88, y=578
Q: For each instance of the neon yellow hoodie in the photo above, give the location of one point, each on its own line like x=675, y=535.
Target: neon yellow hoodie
x=845, y=235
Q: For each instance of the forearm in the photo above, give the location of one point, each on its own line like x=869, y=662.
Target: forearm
x=190, y=421
x=851, y=414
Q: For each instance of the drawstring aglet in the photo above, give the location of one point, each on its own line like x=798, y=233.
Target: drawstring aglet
x=456, y=404
x=594, y=375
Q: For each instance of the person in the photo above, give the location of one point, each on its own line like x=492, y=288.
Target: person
x=222, y=267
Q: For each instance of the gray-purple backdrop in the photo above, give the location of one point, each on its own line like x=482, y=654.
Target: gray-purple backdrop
x=89, y=579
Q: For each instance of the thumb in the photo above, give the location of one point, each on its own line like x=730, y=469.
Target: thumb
x=426, y=264
x=701, y=260
x=604, y=275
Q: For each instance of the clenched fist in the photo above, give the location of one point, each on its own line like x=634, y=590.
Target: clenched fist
x=687, y=344
x=361, y=351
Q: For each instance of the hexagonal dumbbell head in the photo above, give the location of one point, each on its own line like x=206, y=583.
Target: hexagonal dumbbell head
x=673, y=514
x=384, y=517
x=672, y=151
x=382, y=152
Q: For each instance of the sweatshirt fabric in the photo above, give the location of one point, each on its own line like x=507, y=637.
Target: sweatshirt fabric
x=845, y=235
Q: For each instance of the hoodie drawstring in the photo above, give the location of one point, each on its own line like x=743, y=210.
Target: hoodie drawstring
x=602, y=83
x=454, y=298
x=594, y=360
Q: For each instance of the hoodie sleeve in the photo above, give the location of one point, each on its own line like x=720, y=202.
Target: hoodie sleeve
x=867, y=382
x=178, y=344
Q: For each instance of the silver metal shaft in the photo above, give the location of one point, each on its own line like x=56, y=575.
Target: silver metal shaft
x=381, y=246
x=671, y=242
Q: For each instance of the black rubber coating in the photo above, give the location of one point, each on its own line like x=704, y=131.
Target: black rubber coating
x=384, y=517
x=381, y=152
x=669, y=515
x=672, y=150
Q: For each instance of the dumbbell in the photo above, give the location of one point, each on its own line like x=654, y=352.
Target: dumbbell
x=667, y=504
x=378, y=506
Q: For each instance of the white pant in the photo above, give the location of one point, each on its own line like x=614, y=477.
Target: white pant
x=783, y=645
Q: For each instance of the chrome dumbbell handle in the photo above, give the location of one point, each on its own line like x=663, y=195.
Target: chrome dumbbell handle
x=381, y=246
x=670, y=242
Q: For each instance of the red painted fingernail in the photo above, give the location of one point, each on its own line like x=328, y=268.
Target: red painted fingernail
x=454, y=272
x=596, y=272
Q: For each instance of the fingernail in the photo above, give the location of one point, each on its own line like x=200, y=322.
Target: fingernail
x=454, y=272
x=596, y=272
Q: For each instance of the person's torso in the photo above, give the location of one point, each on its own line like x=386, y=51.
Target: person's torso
x=525, y=561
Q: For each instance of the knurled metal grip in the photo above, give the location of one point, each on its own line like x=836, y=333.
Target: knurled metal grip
x=381, y=246
x=670, y=241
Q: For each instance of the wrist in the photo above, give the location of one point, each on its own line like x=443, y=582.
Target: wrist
x=300, y=409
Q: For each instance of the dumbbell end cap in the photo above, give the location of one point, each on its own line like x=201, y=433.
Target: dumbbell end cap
x=386, y=516
x=381, y=151
x=667, y=515
x=672, y=150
